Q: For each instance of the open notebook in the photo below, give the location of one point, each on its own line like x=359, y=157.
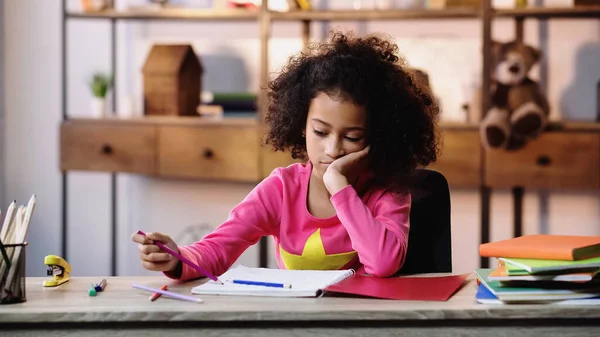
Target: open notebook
x=304, y=283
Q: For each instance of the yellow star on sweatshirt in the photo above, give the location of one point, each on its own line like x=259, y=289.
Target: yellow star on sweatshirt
x=314, y=257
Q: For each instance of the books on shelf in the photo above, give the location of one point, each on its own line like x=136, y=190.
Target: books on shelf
x=220, y=103
x=556, y=269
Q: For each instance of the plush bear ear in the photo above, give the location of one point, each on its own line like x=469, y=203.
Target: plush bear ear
x=496, y=48
x=535, y=53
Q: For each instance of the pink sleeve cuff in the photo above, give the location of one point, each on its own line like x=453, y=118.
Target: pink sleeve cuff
x=343, y=196
x=188, y=272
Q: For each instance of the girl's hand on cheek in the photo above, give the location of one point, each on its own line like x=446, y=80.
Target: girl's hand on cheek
x=344, y=170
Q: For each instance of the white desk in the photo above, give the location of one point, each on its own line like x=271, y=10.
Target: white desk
x=124, y=311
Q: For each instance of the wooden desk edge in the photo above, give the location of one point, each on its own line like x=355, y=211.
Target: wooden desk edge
x=127, y=305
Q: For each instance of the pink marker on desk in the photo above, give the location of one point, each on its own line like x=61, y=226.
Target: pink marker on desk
x=169, y=294
x=184, y=260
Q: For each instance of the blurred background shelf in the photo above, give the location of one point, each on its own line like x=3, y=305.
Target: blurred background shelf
x=333, y=15
x=550, y=12
x=567, y=156
x=170, y=120
x=169, y=14
x=360, y=15
x=573, y=127
x=106, y=145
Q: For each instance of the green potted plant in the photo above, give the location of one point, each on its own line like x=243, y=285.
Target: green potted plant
x=99, y=85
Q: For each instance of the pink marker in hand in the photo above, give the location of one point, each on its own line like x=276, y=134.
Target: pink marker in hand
x=183, y=259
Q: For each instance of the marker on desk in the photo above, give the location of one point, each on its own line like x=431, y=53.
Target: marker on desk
x=155, y=296
x=184, y=260
x=96, y=288
x=100, y=286
x=263, y=284
x=169, y=294
x=92, y=290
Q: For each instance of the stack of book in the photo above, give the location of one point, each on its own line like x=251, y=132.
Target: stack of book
x=241, y=104
x=541, y=268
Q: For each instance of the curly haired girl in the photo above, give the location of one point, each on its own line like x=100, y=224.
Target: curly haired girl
x=352, y=110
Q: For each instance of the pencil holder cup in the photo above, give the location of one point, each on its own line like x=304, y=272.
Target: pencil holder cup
x=12, y=273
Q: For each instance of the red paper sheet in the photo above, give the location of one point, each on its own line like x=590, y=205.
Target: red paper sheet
x=408, y=288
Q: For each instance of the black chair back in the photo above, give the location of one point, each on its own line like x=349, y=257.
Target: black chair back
x=429, y=241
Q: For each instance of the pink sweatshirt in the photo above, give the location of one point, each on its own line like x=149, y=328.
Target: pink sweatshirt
x=368, y=232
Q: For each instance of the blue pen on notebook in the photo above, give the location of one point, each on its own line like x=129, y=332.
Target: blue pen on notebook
x=263, y=284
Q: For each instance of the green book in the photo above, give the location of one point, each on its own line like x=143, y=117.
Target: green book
x=234, y=96
x=220, y=97
x=516, y=266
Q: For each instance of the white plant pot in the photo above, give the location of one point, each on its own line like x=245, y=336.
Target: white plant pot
x=98, y=107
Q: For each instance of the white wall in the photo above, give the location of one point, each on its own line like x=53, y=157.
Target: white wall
x=31, y=119
x=449, y=50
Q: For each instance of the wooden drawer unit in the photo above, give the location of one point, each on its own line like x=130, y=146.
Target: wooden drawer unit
x=271, y=160
x=460, y=158
x=555, y=160
x=218, y=152
x=97, y=146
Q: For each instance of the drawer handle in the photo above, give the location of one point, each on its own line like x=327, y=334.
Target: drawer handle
x=543, y=160
x=208, y=153
x=106, y=149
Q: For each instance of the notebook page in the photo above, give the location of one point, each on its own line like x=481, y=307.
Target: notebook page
x=304, y=283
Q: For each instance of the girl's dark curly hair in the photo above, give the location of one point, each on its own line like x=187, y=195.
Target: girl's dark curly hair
x=368, y=71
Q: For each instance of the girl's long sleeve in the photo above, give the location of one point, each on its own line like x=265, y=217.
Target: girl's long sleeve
x=380, y=237
x=256, y=216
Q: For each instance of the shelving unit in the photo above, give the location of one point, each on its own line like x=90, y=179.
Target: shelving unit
x=488, y=14
x=463, y=171
x=363, y=15
x=549, y=12
x=170, y=14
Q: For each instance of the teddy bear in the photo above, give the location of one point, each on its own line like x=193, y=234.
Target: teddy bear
x=518, y=109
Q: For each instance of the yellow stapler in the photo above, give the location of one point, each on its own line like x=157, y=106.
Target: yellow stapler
x=59, y=268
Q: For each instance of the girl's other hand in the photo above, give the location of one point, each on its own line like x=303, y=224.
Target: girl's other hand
x=152, y=256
